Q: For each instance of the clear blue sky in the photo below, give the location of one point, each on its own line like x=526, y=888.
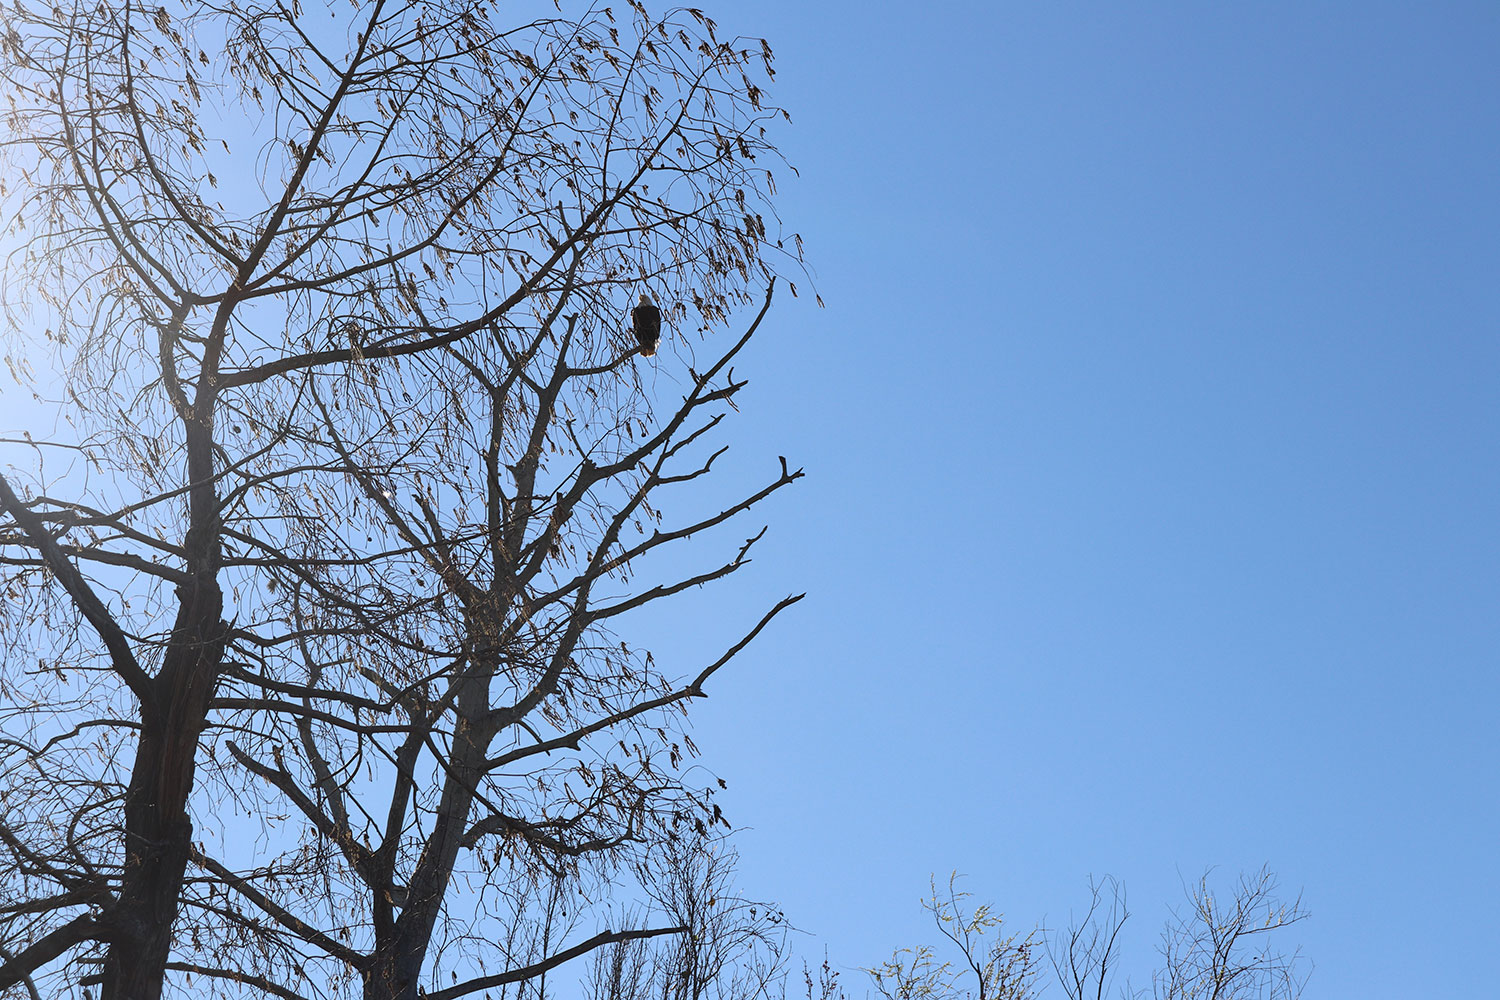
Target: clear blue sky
x=1153, y=510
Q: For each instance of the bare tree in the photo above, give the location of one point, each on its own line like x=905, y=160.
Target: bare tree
x=1220, y=947
x=360, y=472
x=1086, y=955
x=990, y=965
x=733, y=948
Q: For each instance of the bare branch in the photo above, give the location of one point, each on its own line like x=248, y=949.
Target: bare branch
x=536, y=969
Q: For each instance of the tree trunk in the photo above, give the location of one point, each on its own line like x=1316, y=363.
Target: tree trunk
x=158, y=832
x=397, y=969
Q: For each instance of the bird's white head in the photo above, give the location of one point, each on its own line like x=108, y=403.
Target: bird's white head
x=645, y=299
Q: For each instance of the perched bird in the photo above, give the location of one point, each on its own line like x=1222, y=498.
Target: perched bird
x=645, y=319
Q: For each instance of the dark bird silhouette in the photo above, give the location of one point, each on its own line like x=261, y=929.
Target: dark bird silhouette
x=645, y=319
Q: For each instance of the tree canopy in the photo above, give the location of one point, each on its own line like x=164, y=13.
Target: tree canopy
x=359, y=478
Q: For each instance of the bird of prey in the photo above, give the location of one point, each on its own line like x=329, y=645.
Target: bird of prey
x=645, y=320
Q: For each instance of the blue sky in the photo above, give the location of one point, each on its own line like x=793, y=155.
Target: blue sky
x=1151, y=432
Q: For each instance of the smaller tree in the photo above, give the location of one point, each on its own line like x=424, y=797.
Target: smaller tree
x=731, y=948
x=1003, y=966
x=1087, y=952
x=1219, y=947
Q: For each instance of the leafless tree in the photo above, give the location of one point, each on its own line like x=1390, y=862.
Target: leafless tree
x=360, y=472
x=733, y=948
x=1086, y=955
x=1220, y=947
x=989, y=964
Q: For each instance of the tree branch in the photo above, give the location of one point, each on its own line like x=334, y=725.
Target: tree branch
x=536, y=969
x=84, y=927
x=122, y=658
